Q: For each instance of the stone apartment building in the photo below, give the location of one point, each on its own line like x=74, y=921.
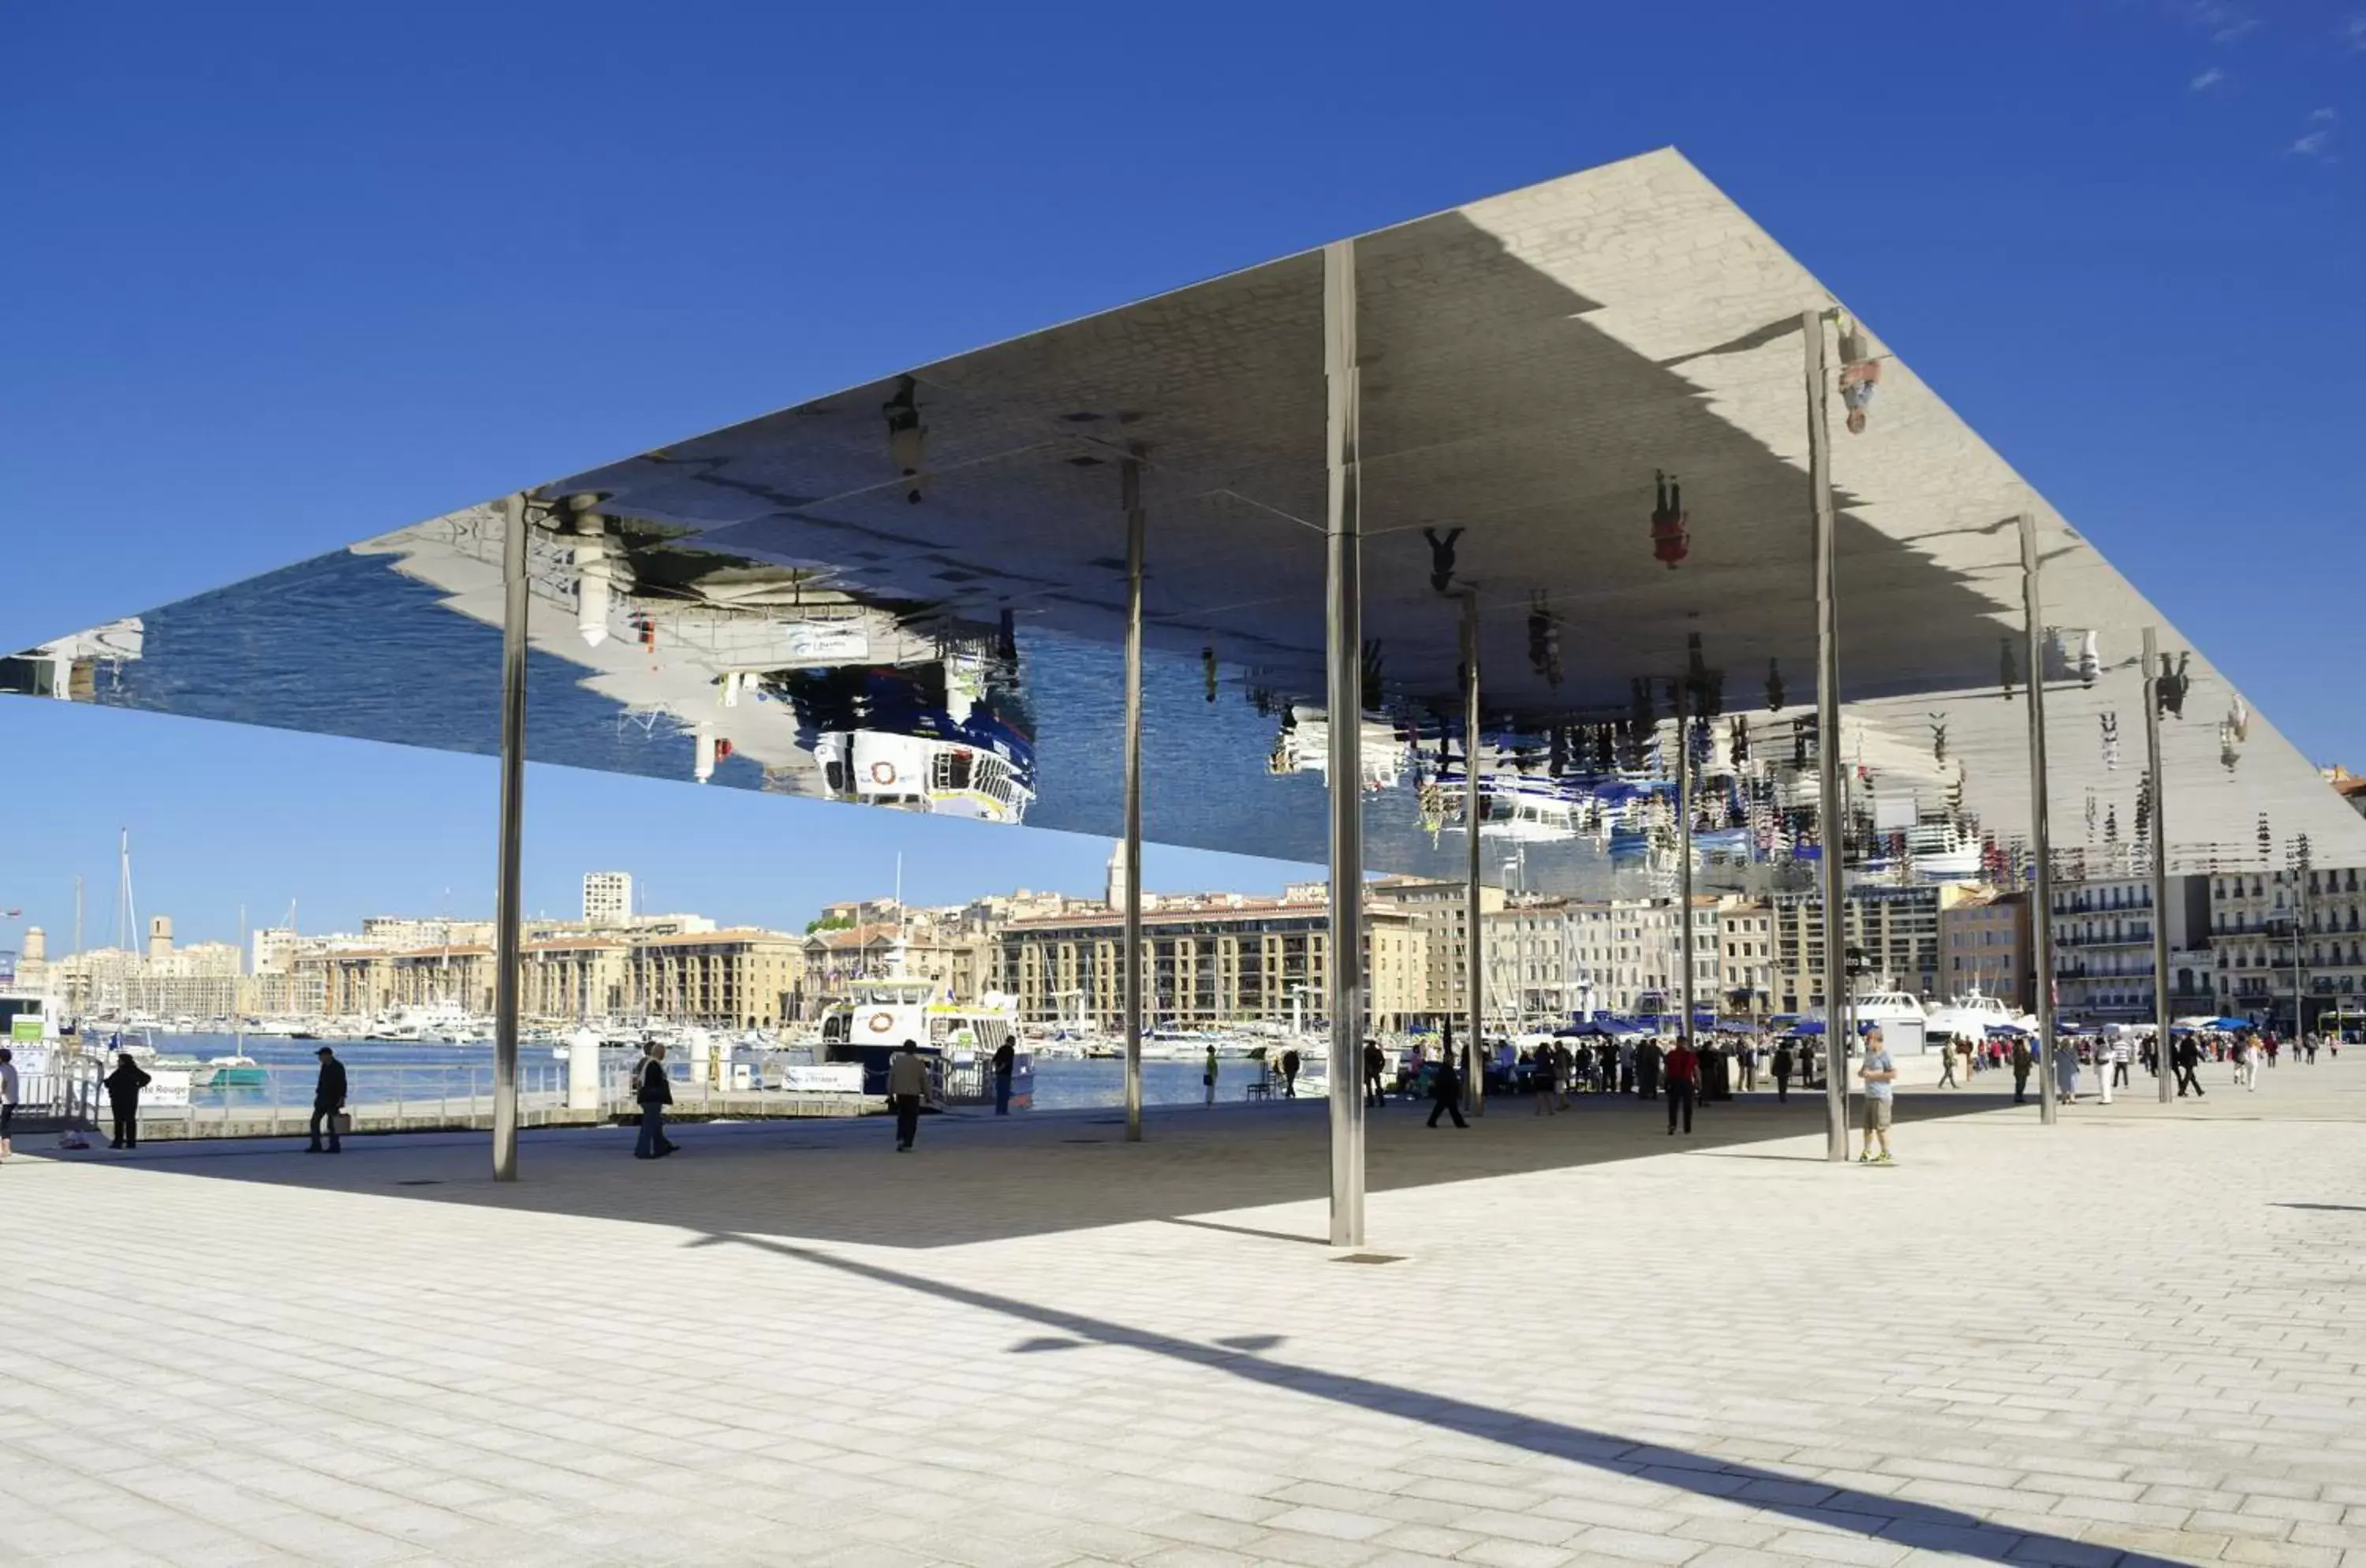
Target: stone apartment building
x=1208, y=962
x=1986, y=944
x=2104, y=931
x=1895, y=929
x=2256, y=918
x=1441, y=916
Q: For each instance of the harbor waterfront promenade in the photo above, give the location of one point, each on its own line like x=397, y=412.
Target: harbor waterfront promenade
x=2130, y=1337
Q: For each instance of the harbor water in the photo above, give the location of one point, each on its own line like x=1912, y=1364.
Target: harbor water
x=420, y=1072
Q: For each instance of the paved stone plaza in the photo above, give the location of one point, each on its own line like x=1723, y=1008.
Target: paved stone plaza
x=2131, y=1338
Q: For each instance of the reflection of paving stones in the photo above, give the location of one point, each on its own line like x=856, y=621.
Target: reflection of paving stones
x=2021, y=1344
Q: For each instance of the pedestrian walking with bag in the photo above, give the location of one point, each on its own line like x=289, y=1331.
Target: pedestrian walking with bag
x=653, y=1091
x=327, y=1103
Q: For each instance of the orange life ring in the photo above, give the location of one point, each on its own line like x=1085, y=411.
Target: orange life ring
x=881, y=1022
x=883, y=773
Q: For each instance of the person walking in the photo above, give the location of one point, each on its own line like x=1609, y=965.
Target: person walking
x=653, y=1091
x=652, y=1088
x=1208, y=1074
x=2065, y=1073
x=328, y=1102
x=2120, y=1055
x=1446, y=1092
x=2188, y=1057
x=1376, y=1066
x=1947, y=1067
x=1289, y=1074
x=908, y=1085
x=1005, y=1063
x=123, y=1086
x=7, y=1096
x=2021, y=1065
x=1542, y=1072
x=1783, y=1065
x=1880, y=1076
x=1684, y=1084
x=1649, y=1058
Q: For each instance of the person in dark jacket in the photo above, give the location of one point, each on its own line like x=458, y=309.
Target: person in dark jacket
x=908, y=1086
x=1446, y=1091
x=123, y=1086
x=1289, y=1074
x=1006, y=1061
x=2188, y=1056
x=1783, y=1060
x=1647, y=1057
x=653, y=1089
x=1376, y=1064
x=328, y=1100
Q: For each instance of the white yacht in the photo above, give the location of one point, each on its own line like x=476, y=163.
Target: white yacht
x=1968, y=1017
x=1904, y=1025
x=444, y=1021
x=879, y=1015
x=919, y=772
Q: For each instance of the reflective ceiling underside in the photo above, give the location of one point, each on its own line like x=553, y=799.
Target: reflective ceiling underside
x=1586, y=402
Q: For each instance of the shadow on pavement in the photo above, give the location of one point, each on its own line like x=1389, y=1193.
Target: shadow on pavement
x=1893, y=1520
x=979, y=1178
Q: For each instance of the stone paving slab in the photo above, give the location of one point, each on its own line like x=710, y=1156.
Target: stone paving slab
x=2131, y=1339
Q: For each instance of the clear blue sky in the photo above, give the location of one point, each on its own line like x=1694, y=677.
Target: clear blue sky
x=280, y=277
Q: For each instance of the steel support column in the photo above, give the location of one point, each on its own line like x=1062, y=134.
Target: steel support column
x=2160, y=997
x=1344, y=652
x=1685, y=858
x=1833, y=818
x=2041, y=832
x=1475, y=1083
x=1131, y=485
x=508, y=911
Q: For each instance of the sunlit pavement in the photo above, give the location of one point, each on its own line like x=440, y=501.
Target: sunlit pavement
x=2132, y=1338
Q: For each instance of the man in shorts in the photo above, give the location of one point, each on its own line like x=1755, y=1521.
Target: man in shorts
x=1880, y=1074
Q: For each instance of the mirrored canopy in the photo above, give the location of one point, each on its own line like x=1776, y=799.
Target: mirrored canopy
x=1586, y=408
